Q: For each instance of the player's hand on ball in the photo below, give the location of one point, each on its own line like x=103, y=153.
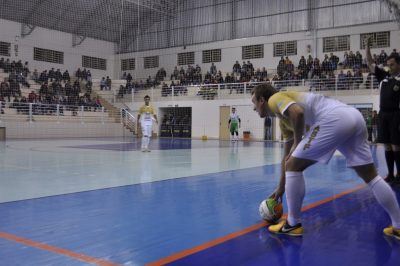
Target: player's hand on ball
x=277, y=194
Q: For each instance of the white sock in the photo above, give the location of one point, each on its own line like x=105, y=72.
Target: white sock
x=143, y=142
x=295, y=191
x=386, y=198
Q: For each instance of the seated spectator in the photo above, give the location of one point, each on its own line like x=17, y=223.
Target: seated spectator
x=66, y=76
x=334, y=61
x=382, y=57
x=213, y=69
x=5, y=91
x=175, y=74
x=250, y=69
x=349, y=80
x=341, y=81
x=103, y=85
x=78, y=74
x=129, y=78
x=357, y=78
x=358, y=60
x=121, y=91
x=394, y=53
x=165, y=90
x=371, y=81
x=108, y=83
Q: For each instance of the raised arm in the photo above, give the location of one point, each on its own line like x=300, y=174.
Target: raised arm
x=370, y=61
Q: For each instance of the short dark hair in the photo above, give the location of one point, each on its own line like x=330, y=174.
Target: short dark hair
x=264, y=90
x=395, y=57
x=147, y=96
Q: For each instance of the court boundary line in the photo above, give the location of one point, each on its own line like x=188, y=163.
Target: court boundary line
x=56, y=250
x=220, y=240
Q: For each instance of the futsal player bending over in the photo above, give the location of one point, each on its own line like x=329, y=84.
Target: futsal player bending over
x=333, y=126
x=145, y=120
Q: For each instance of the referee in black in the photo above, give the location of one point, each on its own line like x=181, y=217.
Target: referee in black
x=389, y=110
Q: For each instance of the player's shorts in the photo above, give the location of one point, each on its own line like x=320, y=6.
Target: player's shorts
x=342, y=129
x=389, y=127
x=234, y=127
x=147, y=129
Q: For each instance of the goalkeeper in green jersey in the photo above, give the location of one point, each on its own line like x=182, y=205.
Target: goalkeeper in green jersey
x=234, y=124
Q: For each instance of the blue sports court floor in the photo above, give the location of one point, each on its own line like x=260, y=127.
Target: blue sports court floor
x=188, y=202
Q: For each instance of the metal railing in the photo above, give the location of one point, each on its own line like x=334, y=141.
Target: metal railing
x=333, y=86
x=128, y=120
x=34, y=112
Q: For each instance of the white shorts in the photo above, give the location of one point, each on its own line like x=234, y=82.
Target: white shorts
x=342, y=129
x=147, y=130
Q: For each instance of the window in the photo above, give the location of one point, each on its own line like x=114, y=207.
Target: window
x=5, y=48
x=336, y=44
x=379, y=39
x=253, y=51
x=186, y=58
x=212, y=56
x=285, y=48
x=45, y=55
x=151, y=62
x=128, y=64
x=94, y=62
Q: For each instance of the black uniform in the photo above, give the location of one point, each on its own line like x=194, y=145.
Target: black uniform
x=389, y=114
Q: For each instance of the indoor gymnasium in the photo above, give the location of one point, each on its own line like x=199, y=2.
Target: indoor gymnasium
x=210, y=132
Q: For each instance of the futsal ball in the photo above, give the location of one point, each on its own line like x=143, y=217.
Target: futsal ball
x=271, y=210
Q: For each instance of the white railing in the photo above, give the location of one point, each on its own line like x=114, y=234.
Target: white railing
x=34, y=112
x=128, y=120
x=332, y=86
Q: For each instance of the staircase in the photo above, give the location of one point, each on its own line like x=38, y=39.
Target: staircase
x=122, y=116
x=113, y=112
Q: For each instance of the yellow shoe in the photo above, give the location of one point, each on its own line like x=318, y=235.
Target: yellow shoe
x=284, y=228
x=390, y=231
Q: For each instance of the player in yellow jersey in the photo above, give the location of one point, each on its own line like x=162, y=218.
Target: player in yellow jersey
x=332, y=125
x=145, y=121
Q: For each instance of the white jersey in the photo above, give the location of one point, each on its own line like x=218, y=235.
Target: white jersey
x=315, y=107
x=234, y=117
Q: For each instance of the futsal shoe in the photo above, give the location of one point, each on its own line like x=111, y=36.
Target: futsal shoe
x=284, y=228
x=390, y=231
x=390, y=179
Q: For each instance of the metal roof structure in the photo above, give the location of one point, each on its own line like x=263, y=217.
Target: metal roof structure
x=107, y=20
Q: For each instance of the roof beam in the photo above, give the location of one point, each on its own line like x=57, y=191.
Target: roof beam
x=142, y=3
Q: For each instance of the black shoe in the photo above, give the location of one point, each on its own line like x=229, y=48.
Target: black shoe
x=396, y=180
x=390, y=179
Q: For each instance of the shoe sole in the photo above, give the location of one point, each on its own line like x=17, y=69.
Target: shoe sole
x=288, y=234
x=392, y=235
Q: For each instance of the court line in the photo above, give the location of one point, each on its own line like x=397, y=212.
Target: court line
x=57, y=250
x=215, y=242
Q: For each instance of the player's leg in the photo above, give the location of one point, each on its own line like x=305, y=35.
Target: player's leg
x=384, y=137
x=318, y=145
x=149, y=131
x=358, y=156
x=384, y=195
x=232, y=130
x=395, y=141
x=143, y=146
